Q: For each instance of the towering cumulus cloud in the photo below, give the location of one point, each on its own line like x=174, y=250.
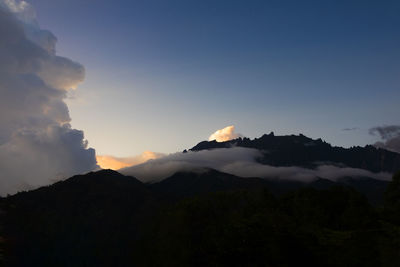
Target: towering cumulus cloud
x=225, y=134
x=37, y=143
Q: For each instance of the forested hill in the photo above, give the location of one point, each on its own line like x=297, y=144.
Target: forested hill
x=198, y=219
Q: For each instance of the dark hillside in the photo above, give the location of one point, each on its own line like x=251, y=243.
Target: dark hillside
x=204, y=218
x=76, y=221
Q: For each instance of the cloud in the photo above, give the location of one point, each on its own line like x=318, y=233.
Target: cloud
x=37, y=143
x=225, y=134
x=116, y=163
x=390, y=136
x=386, y=132
x=239, y=161
x=350, y=129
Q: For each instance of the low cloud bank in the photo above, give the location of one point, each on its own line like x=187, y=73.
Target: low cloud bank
x=239, y=161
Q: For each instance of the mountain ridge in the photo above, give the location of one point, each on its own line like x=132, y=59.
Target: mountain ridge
x=189, y=183
x=300, y=150
x=104, y=217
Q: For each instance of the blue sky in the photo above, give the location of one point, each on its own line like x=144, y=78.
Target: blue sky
x=164, y=75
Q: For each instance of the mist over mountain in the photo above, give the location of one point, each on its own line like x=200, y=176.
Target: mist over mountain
x=291, y=157
x=300, y=150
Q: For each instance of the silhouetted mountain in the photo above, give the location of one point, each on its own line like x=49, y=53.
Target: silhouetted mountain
x=198, y=218
x=185, y=184
x=299, y=150
x=73, y=222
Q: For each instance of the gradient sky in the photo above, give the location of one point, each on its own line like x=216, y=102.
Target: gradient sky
x=164, y=75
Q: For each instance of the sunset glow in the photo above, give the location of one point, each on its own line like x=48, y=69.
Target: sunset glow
x=116, y=163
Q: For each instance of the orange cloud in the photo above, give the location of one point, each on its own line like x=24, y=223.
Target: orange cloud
x=116, y=163
x=225, y=134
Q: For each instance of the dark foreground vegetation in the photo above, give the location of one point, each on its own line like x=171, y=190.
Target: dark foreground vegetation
x=106, y=219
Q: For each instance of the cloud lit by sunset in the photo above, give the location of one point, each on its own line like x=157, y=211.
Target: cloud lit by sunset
x=225, y=134
x=116, y=163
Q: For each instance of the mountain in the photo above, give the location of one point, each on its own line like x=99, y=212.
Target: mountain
x=73, y=220
x=195, y=219
x=187, y=184
x=205, y=217
x=299, y=150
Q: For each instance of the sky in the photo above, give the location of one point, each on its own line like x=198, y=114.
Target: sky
x=164, y=75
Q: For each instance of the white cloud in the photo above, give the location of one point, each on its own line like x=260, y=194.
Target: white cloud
x=225, y=134
x=37, y=143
